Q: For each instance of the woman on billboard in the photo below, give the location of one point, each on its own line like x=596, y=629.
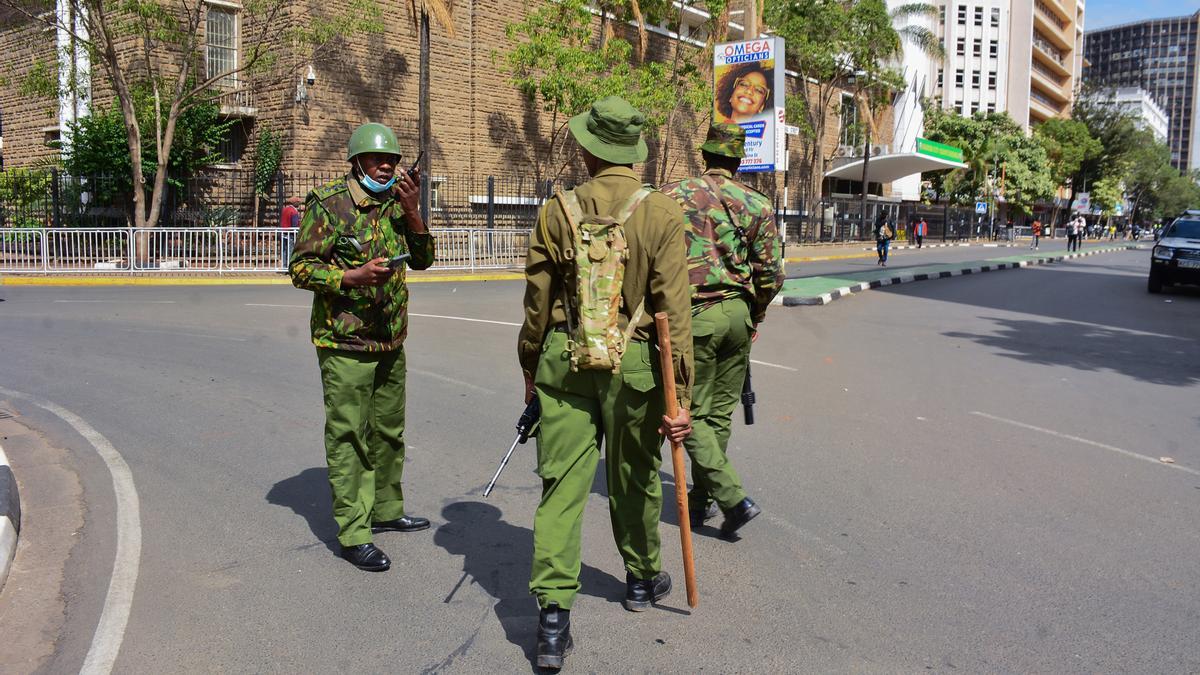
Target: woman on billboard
x=744, y=92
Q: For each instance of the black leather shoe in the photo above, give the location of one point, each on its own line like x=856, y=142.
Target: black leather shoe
x=554, y=637
x=741, y=513
x=367, y=557
x=641, y=593
x=401, y=524
x=698, y=518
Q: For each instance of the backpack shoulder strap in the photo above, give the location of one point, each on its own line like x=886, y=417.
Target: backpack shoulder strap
x=631, y=205
x=574, y=213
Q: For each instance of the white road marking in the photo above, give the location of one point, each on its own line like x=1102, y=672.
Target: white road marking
x=110, y=630
x=181, y=333
x=1111, y=448
x=451, y=380
x=259, y=304
x=463, y=318
x=774, y=365
x=120, y=302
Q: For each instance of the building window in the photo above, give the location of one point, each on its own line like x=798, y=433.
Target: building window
x=994, y=48
x=939, y=78
x=975, y=79
x=233, y=145
x=942, y=15
x=977, y=48
x=962, y=15
x=995, y=17
x=991, y=107
x=978, y=16
x=958, y=78
x=991, y=80
x=221, y=42
x=849, y=115
x=961, y=49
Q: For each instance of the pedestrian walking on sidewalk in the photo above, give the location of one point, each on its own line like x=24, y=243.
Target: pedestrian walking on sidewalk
x=919, y=231
x=585, y=352
x=735, y=267
x=1036, y=230
x=883, y=237
x=351, y=228
x=1073, y=231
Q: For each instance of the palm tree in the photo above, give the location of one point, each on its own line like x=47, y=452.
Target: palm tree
x=919, y=36
x=421, y=10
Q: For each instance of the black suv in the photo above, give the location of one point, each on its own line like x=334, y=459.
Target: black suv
x=1176, y=256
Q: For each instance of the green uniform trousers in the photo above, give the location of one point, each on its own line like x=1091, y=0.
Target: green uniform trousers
x=364, y=438
x=578, y=410
x=721, y=344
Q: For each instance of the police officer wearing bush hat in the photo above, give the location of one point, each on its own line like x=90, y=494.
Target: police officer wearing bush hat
x=579, y=408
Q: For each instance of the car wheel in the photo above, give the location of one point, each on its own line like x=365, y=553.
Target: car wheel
x=1154, y=284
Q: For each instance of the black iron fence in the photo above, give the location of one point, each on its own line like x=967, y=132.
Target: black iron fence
x=228, y=198
x=839, y=220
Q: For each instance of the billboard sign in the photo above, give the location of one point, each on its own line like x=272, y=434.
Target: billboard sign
x=748, y=89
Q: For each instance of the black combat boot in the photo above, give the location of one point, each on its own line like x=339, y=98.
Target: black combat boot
x=698, y=517
x=741, y=513
x=641, y=593
x=554, y=637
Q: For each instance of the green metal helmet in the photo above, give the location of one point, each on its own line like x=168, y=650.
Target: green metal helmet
x=372, y=137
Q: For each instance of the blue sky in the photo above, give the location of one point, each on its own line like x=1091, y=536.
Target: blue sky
x=1102, y=13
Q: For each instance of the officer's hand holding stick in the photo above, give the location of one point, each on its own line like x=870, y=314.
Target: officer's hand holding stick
x=676, y=438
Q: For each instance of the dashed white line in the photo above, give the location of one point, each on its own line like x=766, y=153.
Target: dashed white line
x=182, y=334
x=118, y=302
x=110, y=630
x=774, y=365
x=463, y=318
x=260, y=304
x=1105, y=446
x=451, y=380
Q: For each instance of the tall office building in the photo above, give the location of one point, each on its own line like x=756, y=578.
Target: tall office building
x=1159, y=56
x=1019, y=56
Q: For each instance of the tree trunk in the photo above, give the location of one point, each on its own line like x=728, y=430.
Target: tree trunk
x=426, y=130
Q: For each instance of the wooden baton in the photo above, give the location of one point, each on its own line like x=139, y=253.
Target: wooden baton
x=681, y=497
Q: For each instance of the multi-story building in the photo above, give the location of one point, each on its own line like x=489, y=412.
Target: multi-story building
x=1138, y=103
x=1019, y=56
x=1158, y=56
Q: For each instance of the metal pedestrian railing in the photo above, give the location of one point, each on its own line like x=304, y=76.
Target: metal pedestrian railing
x=174, y=250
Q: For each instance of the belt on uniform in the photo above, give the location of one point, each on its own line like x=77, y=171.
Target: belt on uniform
x=562, y=328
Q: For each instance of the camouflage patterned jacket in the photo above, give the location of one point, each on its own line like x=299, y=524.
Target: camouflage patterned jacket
x=742, y=257
x=355, y=319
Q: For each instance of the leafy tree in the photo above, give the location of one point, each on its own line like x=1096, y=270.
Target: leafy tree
x=1068, y=144
x=998, y=155
x=98, y=146
x=159, y=45
x=1117, y=132
x=553, y=62
x=834, y=47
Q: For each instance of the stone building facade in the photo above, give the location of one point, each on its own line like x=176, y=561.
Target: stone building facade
x=482, y=125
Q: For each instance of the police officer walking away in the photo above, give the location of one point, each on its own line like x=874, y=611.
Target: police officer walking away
x=580, y=406
x=352, y=231
x=735, y=268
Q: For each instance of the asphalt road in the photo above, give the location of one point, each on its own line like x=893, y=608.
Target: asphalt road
x=898, y=259
x=960, y=475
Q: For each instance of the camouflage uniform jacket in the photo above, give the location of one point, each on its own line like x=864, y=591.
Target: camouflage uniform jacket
x=366, y=319
x=742, y=257
x=654, y=272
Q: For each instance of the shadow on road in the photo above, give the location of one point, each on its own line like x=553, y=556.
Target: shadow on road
x=308, y=495
x=1156, y=359
x=497, y=556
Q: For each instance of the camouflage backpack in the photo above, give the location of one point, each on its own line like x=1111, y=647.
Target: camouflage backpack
x=598, y=253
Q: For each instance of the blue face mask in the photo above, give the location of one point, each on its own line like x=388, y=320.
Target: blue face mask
x=374, y=185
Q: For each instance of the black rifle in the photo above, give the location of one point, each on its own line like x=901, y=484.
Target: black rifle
x=526, y=427
x=748, y=398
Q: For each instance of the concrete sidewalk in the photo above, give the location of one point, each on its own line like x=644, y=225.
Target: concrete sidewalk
x=824, y=289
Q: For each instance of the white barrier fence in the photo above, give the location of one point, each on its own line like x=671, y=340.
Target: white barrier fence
x=219, y=250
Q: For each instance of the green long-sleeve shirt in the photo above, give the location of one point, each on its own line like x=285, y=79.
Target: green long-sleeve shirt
x=337, y=215
x=656, y=270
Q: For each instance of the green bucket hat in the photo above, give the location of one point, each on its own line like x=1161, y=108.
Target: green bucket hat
x=725, y=139
x=612, y=131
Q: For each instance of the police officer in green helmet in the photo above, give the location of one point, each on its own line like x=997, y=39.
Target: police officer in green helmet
x=350, y=253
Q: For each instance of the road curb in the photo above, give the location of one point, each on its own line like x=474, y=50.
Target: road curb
x=10, y=516
x=826, y=298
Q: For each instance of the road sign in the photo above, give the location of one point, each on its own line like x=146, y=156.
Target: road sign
x=980, y=207
x=791, y=130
